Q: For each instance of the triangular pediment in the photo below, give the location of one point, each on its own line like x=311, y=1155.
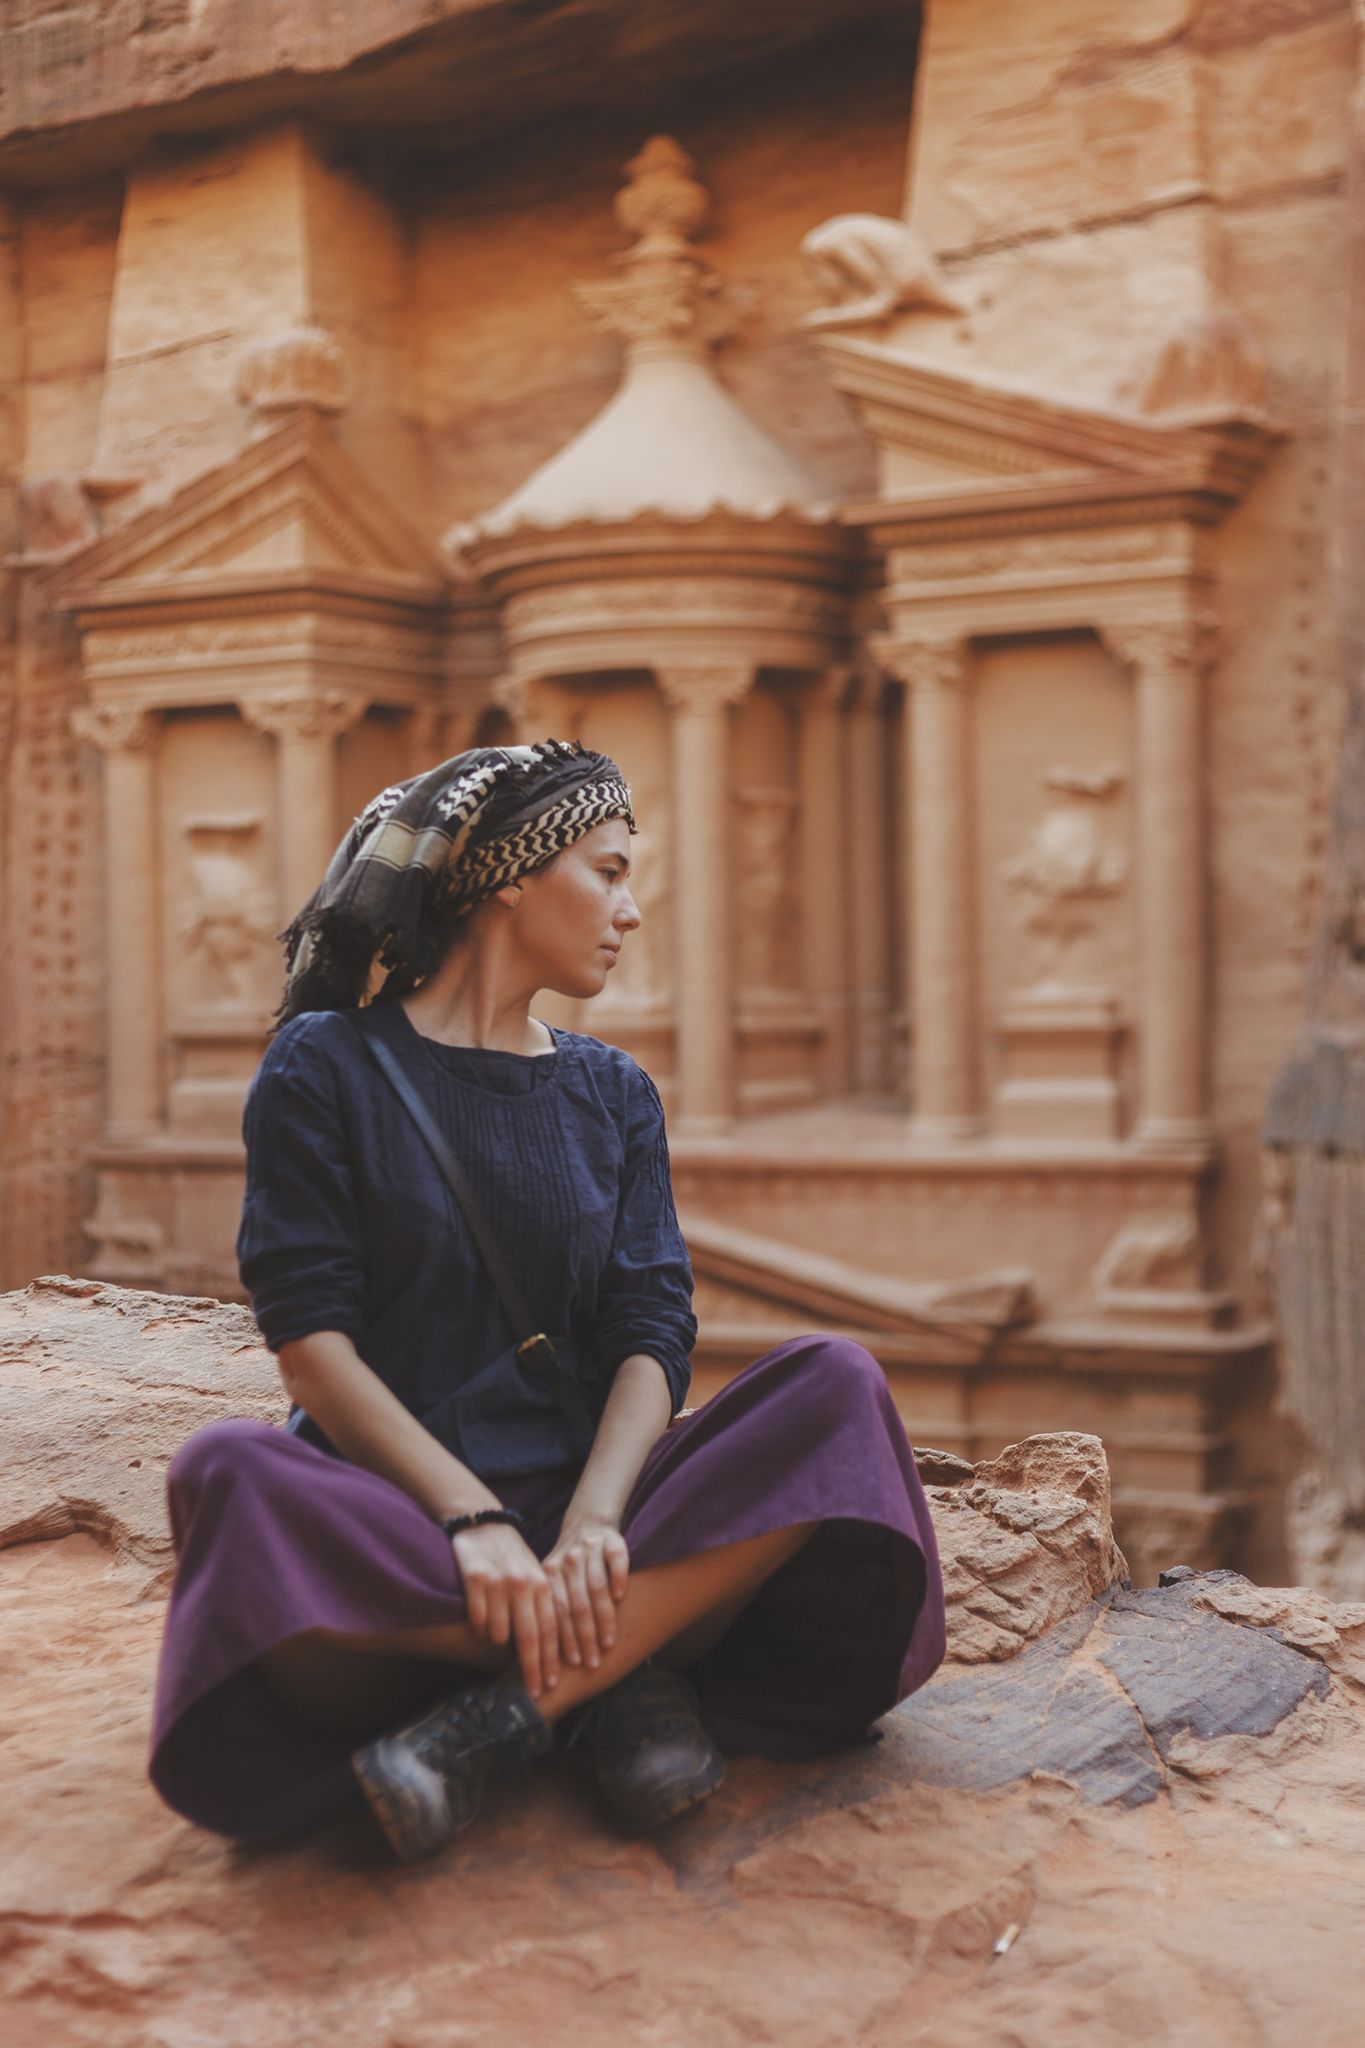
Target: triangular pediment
x=945, y=428
x=292, y=504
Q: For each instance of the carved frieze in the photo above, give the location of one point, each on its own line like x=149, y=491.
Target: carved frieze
x=679, y=600
x=292, y=632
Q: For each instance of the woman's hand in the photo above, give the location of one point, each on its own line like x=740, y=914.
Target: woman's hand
x=588, y=1570
x=509, y=1599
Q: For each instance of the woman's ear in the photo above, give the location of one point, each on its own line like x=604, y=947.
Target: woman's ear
x=509, y=895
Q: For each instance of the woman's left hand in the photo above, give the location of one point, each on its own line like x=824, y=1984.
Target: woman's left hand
x=588, y=1570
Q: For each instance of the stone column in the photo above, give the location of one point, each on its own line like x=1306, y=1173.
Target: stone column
x=941, y=939
x=867, y=896
x=423, y=739
x=305, y=731
x=127, y=738
x=824, y=880
x=1166, y=663
x=705, y=889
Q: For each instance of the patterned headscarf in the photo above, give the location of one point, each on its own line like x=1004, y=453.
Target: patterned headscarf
x=428, y=850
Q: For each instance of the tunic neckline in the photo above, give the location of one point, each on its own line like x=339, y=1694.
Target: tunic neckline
x=511, y=1076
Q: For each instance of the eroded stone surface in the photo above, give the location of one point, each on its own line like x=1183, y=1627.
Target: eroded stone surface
x=1172, y=1873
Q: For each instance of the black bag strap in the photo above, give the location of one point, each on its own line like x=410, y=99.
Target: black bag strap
x=534, y=1348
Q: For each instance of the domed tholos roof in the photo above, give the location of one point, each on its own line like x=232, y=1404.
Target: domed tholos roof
x=672, y=443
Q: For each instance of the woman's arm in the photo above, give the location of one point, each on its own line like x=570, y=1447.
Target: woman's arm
x=590, y=1565
x=508, y=1594
x=325, y=1374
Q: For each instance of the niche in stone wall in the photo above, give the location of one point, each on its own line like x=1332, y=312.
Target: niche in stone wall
x=220, y=898
x=1054, y=873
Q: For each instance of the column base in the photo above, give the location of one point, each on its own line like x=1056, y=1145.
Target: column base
x=1174, y=1133
x=701, y=1126
x=132, y=1130
x=943, y=1130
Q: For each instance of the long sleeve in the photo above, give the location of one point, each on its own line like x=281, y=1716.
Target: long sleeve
x=300, y=1247
x=645, y=1292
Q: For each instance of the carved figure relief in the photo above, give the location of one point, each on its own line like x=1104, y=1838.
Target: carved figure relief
x=765, y=821
x=1066, y=869
x=1145, y=1257
x=230, y=917
x=868, y=268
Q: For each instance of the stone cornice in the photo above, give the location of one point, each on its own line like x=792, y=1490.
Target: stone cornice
x=1073, y=502
x=783, y=547
x=410, y=606
x=1007, y=431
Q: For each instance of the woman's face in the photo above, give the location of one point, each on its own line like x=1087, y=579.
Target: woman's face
x=574, y=916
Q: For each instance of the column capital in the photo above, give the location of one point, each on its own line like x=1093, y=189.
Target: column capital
x=922, y=664
x=115, y=728
x=1170, y=647
x=321, y=717
x=704, y=687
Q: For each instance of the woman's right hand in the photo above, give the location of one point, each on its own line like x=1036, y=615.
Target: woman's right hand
x=509, y=1600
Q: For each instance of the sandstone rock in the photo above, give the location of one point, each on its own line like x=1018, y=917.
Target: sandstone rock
x=1159, y=1793
x=1025, y=1544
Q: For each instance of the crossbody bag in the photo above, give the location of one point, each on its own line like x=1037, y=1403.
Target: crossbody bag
x=535, y=1350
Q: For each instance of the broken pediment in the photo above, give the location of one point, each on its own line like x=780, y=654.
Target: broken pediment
x=944, y=430
x=743, y=1277
x=291, y=507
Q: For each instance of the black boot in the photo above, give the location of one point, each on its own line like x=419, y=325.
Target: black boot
x=427, y=1782
x=651, y=1757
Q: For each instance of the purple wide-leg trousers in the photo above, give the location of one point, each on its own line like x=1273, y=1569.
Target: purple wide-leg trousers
x=274, y=1538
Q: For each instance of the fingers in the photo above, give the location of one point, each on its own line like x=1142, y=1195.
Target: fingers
x=510, y=1601
x=549, y=1634
x=568, y=1634
x=599, y=1592
x=574, y=1567
x=526, y=1630
x=618, y=1566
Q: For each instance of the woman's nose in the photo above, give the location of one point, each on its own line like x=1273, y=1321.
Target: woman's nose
x=628, y=915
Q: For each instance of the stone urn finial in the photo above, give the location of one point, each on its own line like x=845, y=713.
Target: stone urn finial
x=663, y=205
x=301, y=367
x=657, y=299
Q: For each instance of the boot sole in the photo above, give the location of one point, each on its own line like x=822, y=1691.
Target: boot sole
x=642, y=1816
x=399, y=1810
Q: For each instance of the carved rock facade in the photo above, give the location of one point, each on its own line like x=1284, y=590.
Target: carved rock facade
x=945, y=629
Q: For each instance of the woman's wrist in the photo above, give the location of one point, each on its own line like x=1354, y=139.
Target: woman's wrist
x=591, y=1514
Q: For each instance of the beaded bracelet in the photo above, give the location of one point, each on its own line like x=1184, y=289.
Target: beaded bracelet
x=456, y=1525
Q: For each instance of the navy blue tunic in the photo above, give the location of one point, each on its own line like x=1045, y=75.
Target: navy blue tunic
x=348, y=1225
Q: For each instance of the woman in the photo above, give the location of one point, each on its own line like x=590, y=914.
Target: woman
x=460, y=1550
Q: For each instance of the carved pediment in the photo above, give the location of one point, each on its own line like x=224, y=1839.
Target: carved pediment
x=743, y=1278
x=947, y=430
x=289, y=508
